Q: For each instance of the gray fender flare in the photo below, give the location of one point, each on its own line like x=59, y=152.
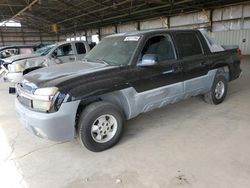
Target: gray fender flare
x=120, y=98
x=224, y=71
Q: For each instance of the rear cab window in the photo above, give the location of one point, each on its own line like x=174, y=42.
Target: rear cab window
x=188, y=44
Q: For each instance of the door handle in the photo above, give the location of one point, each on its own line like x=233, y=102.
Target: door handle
x=175, y=69
x=72, y=58
x=203, y=64
x=168, y=72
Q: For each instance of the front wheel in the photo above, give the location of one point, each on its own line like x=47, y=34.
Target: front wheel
x=218, y=92
x=100, y=126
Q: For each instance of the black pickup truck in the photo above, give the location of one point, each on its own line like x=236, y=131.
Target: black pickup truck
x=123, y=76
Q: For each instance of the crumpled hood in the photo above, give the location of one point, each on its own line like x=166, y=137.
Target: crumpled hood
x=19, y=57
x=55, y=74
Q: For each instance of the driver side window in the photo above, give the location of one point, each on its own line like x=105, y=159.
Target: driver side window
x=161, y=46
x=63, y=50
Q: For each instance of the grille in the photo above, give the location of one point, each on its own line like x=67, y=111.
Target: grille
x=24, y=101
x=28, y=87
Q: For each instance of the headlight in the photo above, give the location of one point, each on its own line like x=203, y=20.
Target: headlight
x=15, y=68
x=42, y=105
x=43, y=98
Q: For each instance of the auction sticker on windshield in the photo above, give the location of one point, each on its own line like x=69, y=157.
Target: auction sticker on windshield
x=132, y=38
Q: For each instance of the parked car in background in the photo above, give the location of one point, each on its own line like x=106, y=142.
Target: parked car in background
x=58, y=53
x=4, y=54
x=7, y=51
x=123, y=76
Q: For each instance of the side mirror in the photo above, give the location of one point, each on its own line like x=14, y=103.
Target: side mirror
x=54, y=55
x=4, y=54
x=149, y=60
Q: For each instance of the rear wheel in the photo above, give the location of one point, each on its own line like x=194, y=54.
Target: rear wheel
x=100, y=126
x=218, y=92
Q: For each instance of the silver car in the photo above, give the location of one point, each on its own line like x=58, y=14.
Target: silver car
x=58, y=53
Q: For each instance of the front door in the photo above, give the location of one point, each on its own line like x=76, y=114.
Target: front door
x=158, y=84
x=64, y=54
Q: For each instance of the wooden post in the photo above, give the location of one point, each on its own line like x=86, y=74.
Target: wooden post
x=138, y=25
x=1, y=34
x=211, y=20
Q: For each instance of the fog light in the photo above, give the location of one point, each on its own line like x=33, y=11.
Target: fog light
x=40, y=133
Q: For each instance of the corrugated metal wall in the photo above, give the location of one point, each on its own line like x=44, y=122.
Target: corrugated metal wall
x=236, y=37
x=155, y=23
x=18, y=36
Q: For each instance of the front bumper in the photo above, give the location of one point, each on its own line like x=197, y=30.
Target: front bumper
x=16, y=77
x=57, y=126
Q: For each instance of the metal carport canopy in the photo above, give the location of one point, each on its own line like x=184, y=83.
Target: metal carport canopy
x=73, y=15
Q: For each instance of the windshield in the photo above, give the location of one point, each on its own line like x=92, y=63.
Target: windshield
x=44, y=50
x=114, y=50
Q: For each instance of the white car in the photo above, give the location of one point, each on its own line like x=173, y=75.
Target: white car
x=62, y=52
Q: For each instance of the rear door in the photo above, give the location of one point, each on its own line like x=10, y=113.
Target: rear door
x=80, y=50
x=193, y=60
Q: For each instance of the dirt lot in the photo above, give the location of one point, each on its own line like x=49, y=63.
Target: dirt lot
x=188, y=144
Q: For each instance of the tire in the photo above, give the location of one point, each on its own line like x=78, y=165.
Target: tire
x=100, y=126
x=218, y=92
